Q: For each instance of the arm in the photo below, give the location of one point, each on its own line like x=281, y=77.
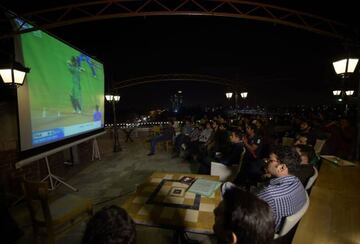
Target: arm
x=250, y=147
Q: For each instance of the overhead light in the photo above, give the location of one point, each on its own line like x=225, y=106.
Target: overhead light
x=336, y=92
x=345, y=66
x=13, y=74
x=116, y=98
x=228, y=95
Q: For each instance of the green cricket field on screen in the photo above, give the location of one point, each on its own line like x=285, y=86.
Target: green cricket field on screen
x=65, y=91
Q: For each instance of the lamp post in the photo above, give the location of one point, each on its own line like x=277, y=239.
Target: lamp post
x=230, y=94
x=114, y=99
x=344, y=68
x=243, y=95
x=13, y=74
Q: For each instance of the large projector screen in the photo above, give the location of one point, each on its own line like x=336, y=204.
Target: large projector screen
x=63, y=95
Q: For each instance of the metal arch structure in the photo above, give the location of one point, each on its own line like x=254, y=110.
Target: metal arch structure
x=110, y=9
x=232, y=84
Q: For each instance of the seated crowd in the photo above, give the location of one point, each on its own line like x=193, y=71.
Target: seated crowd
x=270, y=184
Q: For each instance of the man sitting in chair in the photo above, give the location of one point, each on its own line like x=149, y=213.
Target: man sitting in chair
x=232, y=156
x=285, y=194
x=168, y=133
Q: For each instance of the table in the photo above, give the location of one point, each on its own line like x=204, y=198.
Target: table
x=153, y=204
x=334, y=212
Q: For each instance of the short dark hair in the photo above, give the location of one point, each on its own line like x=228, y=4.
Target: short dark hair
x=289, y=156
x=237, y=133
x=110, y=225
x=253, y=127
x=307, y=151
x=248, y=217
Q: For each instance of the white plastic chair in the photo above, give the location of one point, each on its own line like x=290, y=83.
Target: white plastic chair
x=312, y=179
x=226, y=173
x=292, y=220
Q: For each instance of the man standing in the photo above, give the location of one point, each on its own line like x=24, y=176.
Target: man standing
x=75, y=96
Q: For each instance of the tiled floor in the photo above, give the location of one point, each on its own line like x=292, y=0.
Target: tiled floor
x=109, y=181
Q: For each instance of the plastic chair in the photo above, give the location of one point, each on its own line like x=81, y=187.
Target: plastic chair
x=292, y=220
x=52, y=216
x=226, y=173
x=312, y=179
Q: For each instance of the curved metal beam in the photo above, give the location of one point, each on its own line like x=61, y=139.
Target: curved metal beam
x=110, y=9
x=176, y=77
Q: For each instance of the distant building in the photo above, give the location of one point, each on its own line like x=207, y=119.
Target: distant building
x=176, y=102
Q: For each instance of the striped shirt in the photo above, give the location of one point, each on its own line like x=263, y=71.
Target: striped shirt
x=285, y=195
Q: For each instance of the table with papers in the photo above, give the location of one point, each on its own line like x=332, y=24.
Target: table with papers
x=164, y=201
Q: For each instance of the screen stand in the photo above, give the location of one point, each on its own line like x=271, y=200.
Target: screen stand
x=55, y=179
x=95, y=151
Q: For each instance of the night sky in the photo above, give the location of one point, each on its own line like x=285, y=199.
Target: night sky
x=276, y=64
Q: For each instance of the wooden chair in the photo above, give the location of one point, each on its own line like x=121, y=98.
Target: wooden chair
x=52, y=217
x=167, y=145
x=312, y=179
x=287, y=141
x=292, y=220
x=155, y=131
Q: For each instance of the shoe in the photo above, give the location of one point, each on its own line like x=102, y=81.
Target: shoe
x=150, y=154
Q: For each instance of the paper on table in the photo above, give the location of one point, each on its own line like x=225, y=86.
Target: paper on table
x=204, y=187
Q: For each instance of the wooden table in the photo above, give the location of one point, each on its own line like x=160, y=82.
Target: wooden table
x=154, y=205
x=334, y=212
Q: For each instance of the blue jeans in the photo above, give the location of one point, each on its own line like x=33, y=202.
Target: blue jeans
x=156, y=140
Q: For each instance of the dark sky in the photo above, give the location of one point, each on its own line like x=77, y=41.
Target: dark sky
x=276, y=64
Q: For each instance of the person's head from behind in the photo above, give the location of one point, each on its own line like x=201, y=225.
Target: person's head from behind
x=243, y=218
x=283, y=161
x=110, y=225
x=301, y=140
x=235, y=136
x=305, y=126
x=306, y=153
x=251, y=129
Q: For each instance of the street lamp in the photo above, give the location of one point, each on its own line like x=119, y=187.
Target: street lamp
x=230, y=94
x=114, y=99
x=344, y=68
x=13, y=74
x=244, y=95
